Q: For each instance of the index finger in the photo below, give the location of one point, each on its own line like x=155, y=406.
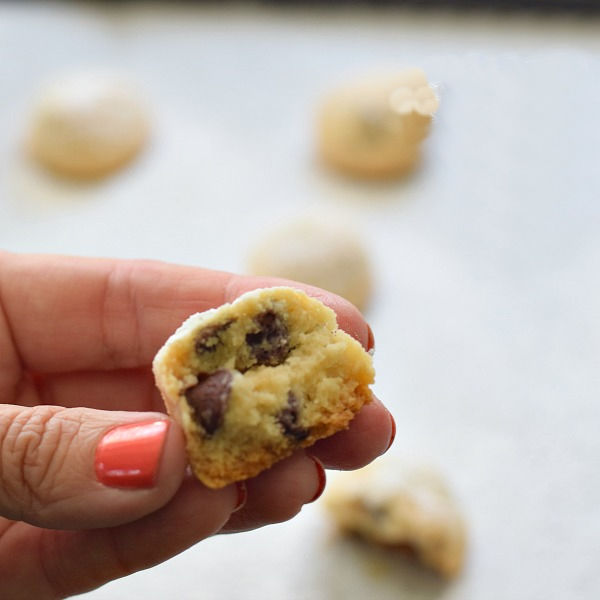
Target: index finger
x=72, y=313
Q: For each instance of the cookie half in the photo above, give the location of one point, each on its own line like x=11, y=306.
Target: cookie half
x=405, y=504
x=254, y=380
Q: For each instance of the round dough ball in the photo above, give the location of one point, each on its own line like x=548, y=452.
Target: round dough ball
x=318, y=253
x=373, y=127
x=87, y=125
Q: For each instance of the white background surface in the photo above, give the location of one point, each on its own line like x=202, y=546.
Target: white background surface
x=487, y=260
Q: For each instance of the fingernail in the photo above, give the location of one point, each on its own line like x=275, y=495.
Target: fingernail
x=242, y=496
x=322, y=479
x=393, y=435
x=370, y=339
x=128, y=456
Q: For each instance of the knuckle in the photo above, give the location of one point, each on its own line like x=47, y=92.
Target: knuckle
x=120, y=564
x=34, y=447
x=120, y=323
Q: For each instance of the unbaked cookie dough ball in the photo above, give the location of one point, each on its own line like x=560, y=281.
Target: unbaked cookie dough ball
x=404, y=504
x=329, y=256
x=373, y=127
x=88, y=124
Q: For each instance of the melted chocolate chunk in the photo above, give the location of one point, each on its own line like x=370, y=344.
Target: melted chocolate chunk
x=288, y=418
x=270, y=345
x=208, y=338
x=208, y=399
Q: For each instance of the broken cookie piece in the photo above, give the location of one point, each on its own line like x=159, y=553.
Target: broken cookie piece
x=254, y=380
x=403, y=504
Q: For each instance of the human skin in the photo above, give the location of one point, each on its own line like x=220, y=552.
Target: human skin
x=77, y=338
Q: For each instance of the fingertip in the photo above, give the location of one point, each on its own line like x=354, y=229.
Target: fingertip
x=369, y=435
x=349, y=318
x=143, y=454
x=100, y=468
x=392, y=433
x=279, y=493
x=321, y=479
x=370, y=339
x=242, y=495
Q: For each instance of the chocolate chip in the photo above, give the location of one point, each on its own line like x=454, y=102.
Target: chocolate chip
x=207, y=339
x=270, y=345
x=377, y=513
x=288, y=418
x=208, y=399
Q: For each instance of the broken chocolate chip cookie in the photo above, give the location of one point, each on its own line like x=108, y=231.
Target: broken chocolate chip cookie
x=405, y=504
x=254, y=380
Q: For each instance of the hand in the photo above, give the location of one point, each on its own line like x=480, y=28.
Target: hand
x=77, y=337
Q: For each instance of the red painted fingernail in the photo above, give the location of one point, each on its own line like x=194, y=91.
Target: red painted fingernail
x=128, y=456
x=370, y=340
x=393, y=432
x=322, y=478
x=242, y=495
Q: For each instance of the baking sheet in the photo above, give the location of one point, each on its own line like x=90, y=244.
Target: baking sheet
x=486, y=260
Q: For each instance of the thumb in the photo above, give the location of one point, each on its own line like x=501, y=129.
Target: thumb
x=81, y=468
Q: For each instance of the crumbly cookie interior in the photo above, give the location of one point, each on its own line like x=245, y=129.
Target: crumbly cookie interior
x=254, y=380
